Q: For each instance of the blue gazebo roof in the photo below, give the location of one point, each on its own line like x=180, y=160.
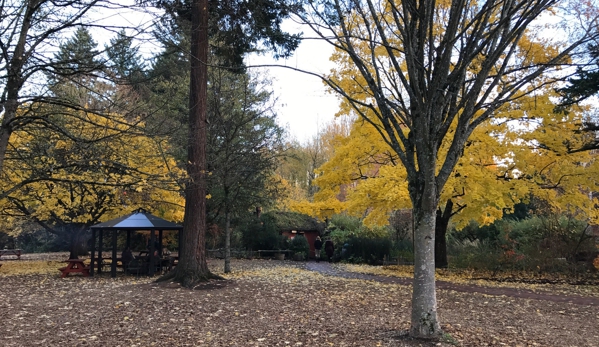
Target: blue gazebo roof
x=138, y=220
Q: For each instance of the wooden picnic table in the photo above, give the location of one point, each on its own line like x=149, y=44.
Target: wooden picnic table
x=15, y=252
x=74, y=266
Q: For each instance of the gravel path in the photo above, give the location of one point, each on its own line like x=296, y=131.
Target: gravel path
x=326, y=269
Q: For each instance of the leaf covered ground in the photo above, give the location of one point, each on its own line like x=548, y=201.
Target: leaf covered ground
x=265, y=303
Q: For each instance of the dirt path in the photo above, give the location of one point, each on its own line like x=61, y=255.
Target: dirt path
x=326, y=269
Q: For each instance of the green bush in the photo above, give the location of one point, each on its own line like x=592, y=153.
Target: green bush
x=363, y=244
x=344, y=222
x=548, y=243
x=260, y=234
x=403, y=250
x=477, y=255
x=370, y=249
x=299, y=245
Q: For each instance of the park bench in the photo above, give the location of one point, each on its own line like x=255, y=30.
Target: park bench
x=6, y=252
x=107, y=263
x=273, y=253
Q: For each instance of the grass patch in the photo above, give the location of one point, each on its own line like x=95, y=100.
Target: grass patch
x=30, y=267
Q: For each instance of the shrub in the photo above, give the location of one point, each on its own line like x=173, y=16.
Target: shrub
x=258, y=234
x=477, y=255
x=363, y=244
x=299, y=245
x=344, y=222
x=548, y=243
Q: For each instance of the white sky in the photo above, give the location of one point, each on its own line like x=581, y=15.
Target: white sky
x=304, y=103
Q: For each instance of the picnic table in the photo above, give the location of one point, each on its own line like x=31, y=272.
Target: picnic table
x=74, y=266
x=15, y=252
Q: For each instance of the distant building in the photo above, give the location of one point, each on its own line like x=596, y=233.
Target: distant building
x=291, y=224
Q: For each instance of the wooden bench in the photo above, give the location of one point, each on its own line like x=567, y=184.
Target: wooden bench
x=74, y=266
x=15, y=252
x=107, y=263
x=273, y=253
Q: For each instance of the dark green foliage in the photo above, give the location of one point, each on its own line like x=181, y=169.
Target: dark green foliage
x=372, y=250
x=74, y=77
x=344, y=222
x=243, y=138
x=540, y=243
x=357, y=243
x=586, y=82
x=7, y=241
x=78, y=55
x=287, y=221
x=260, y=234
x=299, y=245
x=242, y=135
x=580, y=88
x=124, y=60
x=40, y=241
x=237, y=27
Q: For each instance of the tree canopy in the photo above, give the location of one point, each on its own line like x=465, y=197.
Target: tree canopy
x=426, y=75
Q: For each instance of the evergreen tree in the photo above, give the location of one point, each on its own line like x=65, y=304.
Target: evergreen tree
x=75, y=77
x=124, y=59
x=261, y=24
x=243, y=141
x=30, y=31
x=583, y=86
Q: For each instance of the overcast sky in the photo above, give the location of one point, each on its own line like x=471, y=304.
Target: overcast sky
x=304, y=104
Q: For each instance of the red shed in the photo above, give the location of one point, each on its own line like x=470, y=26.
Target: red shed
x=292, y=224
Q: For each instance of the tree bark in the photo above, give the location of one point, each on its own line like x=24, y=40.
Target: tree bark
x=423, y=193
x=78, y=242
x=441, y=224
x=227, y=242
x=192, y=267
x=10, y=110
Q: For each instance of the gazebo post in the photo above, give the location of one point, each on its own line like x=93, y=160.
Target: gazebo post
x=160, y=242
x=100, y=241
x=152, y=249
x=179, y=242
x=128, y=239
x=113, y=263
x=91, y=265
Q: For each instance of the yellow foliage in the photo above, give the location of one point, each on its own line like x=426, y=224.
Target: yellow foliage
x=502, y=165
x=320, y=209
x=30, y=267
x=109, y=172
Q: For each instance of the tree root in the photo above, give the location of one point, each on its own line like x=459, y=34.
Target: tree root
x=189, y=279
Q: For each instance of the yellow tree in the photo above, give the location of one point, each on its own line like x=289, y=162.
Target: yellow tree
x=298, y=164
x=372, y=182
x=416, y=68
x=551, y=158
x=527, y=152
x=63, y=184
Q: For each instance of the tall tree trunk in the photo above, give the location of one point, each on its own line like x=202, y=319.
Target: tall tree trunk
x=423, y=193
x=78, y=241
x=14, y=81
x=441, y=224
x=10, y=111
x=227, y=242
x=192, y=267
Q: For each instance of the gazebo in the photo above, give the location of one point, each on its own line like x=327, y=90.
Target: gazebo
x=138, y=220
